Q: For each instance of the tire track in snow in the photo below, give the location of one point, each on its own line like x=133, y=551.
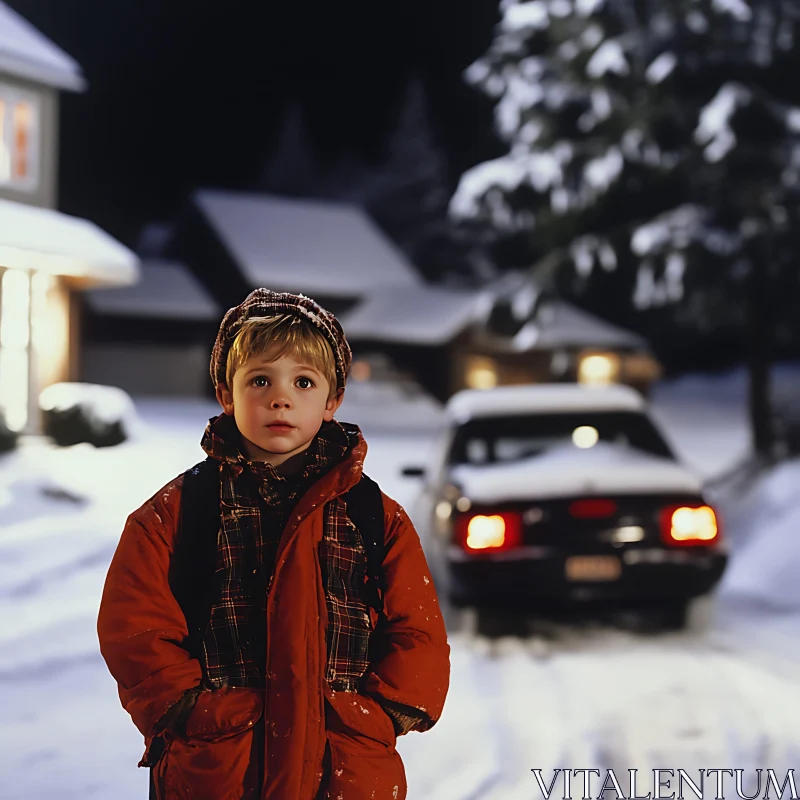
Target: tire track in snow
x=529, y=707
x=609, y=700
x=455, y=757
x=766, y=703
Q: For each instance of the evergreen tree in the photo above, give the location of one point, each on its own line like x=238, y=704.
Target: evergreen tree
x=652, y=165
x=294, y=165
x=405, y=190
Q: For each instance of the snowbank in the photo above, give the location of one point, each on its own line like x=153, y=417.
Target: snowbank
x=84, y=412
x=765, y=524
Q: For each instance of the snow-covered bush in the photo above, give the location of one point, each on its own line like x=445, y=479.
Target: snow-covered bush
x=81, y=412
x=766, y=519
x=8, y=438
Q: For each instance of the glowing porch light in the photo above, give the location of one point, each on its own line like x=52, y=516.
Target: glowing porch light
x=599, y=369
x=481, y=373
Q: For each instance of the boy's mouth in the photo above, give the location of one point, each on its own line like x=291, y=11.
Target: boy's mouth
x=280, y=426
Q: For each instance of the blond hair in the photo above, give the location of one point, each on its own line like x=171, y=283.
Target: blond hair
x=278, y=336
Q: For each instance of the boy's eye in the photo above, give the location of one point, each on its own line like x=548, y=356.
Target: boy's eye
x=259, y=380
x=305, y=383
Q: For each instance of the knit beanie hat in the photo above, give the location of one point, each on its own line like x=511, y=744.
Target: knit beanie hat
x=266, y=303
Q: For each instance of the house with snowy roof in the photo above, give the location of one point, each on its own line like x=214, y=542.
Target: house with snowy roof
x=332, y=251
x=153, y=337
x=46, y=258
x=508, y=332
x=156, y=337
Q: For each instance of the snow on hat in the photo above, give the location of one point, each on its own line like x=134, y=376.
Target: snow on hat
x=266, y=303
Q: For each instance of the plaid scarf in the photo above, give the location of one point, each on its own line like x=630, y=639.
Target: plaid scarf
x=256, y=502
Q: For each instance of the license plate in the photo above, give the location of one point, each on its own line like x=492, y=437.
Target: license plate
x=592, y=568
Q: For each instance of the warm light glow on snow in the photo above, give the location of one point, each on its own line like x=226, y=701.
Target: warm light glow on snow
x=14, y=338
x=50, y=329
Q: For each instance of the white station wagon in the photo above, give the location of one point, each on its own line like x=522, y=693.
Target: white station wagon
x=546, y=497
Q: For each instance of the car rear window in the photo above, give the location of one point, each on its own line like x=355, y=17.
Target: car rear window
x=487, y=440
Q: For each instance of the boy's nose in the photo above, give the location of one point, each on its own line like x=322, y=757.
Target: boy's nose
x=279, y=402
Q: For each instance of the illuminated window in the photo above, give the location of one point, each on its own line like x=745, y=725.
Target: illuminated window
x=5, y=150
x=19, y=139
x=23, y=138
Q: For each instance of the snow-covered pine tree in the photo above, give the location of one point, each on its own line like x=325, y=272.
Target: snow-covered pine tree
x=652, y=165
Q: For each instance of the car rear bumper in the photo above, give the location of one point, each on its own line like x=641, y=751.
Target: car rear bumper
x=646, y=575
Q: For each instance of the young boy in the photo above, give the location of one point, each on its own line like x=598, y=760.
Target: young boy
x=283, y=669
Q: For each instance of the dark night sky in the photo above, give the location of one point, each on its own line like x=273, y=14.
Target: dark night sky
x=189, y=92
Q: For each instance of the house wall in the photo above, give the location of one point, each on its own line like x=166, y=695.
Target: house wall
x=147, y=356
x=46, y=190
x=149, y=369
x=508, y=368
x=428, y=365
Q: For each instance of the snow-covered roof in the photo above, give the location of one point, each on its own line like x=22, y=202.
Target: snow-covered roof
x=305, y=246
x=561, y=324
x=428, y=315
x=165, y=290
x=47, y=240
x=27, y=53
x=542, y=398
x=434, y=315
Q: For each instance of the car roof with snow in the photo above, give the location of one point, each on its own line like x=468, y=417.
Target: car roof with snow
x=541, y=399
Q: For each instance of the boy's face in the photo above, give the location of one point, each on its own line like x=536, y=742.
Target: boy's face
x=278, y=406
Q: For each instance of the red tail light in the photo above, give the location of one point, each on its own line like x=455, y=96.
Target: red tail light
x=488, y=533
x=592, y=508
x=690, y=525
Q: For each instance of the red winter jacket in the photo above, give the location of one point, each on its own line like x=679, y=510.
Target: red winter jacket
x=142, y=628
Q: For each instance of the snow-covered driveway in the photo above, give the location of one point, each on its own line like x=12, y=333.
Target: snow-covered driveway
x=605, y=701
x=576, y=698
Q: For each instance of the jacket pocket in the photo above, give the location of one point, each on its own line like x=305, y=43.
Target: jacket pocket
x=359, y=716
x=223, y=713
x=363, y=770
x=226, y=769
x=218, y=757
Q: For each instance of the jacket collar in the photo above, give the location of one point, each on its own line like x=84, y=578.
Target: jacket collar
x=336, y=444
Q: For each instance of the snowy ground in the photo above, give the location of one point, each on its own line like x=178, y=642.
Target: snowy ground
x=566, y=697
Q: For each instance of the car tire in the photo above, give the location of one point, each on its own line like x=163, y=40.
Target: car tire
x=654, y=619
x=674, y=616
